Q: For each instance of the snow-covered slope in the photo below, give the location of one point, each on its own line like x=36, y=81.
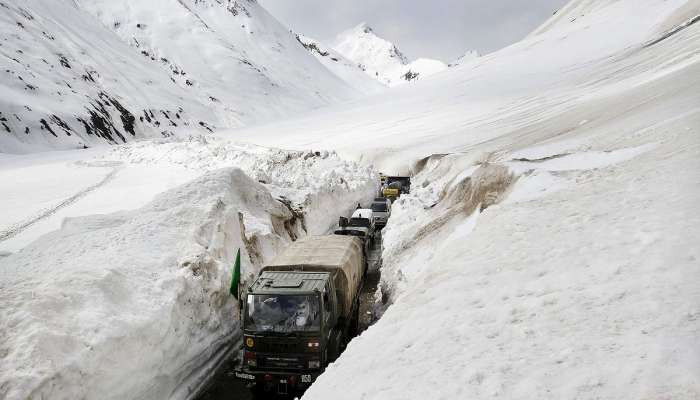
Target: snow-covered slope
x=381, y=59
x=86, y=72
x=549, y=247
x=345, y=69
x=468, y=56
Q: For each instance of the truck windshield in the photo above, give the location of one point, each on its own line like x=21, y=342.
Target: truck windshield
x=282, y=313
x=359, y=222
x=379, y=207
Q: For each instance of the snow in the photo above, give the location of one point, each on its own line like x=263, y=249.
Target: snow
x=132, y=301
x=380, y=58
x=548, y=248
x=345, y=69
x=100, y=71
x=468, y=56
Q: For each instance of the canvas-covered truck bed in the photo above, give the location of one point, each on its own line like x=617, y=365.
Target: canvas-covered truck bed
x=342, y=256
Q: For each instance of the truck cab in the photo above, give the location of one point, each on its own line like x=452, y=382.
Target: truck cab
x=300, y=312
x=288, y=330
x=361, y=224
x=381, y=211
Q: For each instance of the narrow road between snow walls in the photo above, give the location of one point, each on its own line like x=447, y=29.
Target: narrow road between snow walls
x=450, y=192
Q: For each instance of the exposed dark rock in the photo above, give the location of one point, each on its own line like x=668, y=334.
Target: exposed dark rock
x=410, y=75
x=127, y=117
x=58, y=121
x=312, y=47
x=64, y=61
x=45, y=125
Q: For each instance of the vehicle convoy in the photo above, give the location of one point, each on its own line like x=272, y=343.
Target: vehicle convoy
x=381, y=210
x=395, y=186
x=300, y=312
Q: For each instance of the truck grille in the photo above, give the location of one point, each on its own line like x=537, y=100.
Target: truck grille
x=281, y=362
x=279, y=347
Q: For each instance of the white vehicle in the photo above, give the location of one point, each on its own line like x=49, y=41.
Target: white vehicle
x=381, y=211
x=361, y=224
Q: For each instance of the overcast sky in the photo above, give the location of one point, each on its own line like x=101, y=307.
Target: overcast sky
x=442, y=29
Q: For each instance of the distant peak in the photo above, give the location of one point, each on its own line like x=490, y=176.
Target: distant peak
x=364, y=27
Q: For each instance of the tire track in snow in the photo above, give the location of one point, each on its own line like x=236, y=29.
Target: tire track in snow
x=20, y=227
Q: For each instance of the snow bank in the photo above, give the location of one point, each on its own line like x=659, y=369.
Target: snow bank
x=124, y=305
x=553, y=281
x=137, y=172
x=311, y=180
x=135, y=304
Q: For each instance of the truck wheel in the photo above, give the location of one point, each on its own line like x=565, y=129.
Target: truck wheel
x=355, y=323
x=336, y=347
x=257, y=392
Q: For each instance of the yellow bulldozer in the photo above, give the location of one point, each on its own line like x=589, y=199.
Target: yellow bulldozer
x=395, y=186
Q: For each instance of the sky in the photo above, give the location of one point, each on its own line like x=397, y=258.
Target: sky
x=442, y=29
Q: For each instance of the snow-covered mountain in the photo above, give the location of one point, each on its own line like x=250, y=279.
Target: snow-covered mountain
x=84, y=72
x=381, y=59
x=345, y=69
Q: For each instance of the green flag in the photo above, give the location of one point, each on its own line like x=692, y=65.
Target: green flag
x=236, y=275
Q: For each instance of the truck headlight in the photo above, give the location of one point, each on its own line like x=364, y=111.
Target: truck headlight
x=250, y=359
x=314, y=364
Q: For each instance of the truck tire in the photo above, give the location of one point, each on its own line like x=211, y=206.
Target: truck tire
x=354, y=323
x=258, y=392
x=337, y=346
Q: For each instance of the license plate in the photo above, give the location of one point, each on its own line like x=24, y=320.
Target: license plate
x=306, y=378
x=248, y=377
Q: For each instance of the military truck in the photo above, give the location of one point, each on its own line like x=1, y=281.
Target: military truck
x=300, y=313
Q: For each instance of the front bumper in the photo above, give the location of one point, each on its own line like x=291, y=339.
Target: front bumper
x=280, y=382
